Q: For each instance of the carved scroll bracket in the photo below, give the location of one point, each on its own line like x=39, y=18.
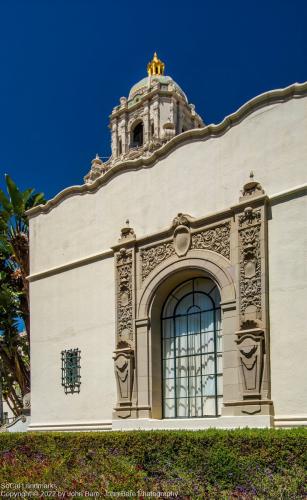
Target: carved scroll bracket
x=251, y=349
x=124, y=373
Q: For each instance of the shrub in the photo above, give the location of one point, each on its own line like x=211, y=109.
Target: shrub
x=213, y=464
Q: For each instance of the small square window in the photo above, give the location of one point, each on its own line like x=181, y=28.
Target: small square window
x=71, y=379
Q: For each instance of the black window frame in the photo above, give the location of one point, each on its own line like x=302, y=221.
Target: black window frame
x=215, y=309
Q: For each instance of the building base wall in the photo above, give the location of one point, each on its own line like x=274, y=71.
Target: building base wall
x=72, y=426
x=136, y=424
x=261, y=421
x=283, y=421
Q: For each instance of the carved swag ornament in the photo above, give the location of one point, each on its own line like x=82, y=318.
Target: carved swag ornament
x=216, y=239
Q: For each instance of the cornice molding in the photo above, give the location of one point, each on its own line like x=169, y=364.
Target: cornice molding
x=165, y=235
x=296, y=90
x=118, y=111
x=91, y=259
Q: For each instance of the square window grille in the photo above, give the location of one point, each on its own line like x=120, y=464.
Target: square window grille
x=71, y=378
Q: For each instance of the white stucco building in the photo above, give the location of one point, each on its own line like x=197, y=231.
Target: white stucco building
x=192, y=313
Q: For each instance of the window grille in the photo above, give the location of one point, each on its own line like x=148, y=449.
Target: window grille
x=71, y=378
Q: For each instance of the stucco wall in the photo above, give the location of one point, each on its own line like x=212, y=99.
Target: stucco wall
x=76, y=308
x=288, y=299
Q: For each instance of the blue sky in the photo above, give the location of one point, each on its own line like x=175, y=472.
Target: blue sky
x=66, y=63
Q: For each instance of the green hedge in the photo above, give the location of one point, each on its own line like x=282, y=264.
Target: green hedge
x=201, y=464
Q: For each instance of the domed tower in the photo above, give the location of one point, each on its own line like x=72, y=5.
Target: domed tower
x=155, y=111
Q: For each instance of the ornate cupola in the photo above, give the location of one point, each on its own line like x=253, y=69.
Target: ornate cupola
x=155, y=111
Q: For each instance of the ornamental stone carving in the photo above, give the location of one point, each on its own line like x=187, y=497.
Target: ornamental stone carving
x=127, y=232
x=136, y=115
x=216, y=239
x=252, y=188
x=153, y=256
x=98, y=168
x=249, y=217
x=124, y=352
x=182, y=234
x=182, y=240
x=124, y=372
x=251, y=351
x=182, y=220
x=250, y=264
x=124, y=295
x=252, y=339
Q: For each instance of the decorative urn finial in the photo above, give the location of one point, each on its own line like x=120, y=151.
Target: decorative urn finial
x=127, y=232
x=155, y=66
x=97, y=160
x=251, y=188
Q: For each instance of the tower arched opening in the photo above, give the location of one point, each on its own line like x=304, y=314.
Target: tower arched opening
x=137, y=135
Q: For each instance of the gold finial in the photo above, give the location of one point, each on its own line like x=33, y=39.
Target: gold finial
x=155, y=66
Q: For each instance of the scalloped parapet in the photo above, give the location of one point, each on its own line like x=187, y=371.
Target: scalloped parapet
x=120, y=166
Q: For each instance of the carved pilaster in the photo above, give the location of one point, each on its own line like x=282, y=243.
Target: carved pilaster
x=114, y=138
x=124, y=267
x=252, y=338
x=156, y=117
x=250, y=264
x=124, y=352
x=146, y=121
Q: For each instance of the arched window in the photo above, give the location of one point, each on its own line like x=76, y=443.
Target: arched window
x=137, y=135
x=120, y=147
x=192, y=351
